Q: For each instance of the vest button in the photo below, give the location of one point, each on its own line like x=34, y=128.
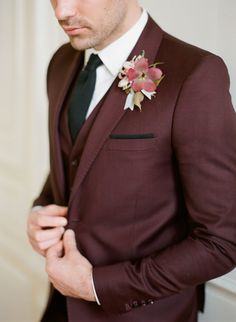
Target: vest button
x=74, y=163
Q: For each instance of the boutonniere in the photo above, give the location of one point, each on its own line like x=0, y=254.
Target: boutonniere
x=139, y=79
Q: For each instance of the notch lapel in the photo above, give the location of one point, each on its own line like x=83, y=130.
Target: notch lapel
x=113, y=107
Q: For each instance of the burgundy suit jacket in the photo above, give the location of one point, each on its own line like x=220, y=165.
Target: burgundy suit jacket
x=156, y=217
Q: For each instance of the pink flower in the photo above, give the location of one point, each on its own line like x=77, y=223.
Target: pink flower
x=139, y=80
x=143, y=77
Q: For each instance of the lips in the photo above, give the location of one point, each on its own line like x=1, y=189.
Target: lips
x=72, y=31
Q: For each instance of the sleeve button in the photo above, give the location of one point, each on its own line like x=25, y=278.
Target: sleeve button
x=135, y=304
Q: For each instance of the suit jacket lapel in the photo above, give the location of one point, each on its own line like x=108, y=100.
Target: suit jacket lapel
x=113, y=106
x=66, y=77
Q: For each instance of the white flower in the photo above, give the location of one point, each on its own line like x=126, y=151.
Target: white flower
x=149, y=95
x=129, y=103
x=124, y=82
x=128, y=64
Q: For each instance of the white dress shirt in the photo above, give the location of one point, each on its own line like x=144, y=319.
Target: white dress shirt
x=113, y=57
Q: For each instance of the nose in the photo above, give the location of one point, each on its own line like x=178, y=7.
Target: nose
x=64, y=10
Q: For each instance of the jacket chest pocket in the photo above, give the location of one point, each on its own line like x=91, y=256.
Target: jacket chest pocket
x=131, y=144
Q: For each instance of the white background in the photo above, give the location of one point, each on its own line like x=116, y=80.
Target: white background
x=29, y=35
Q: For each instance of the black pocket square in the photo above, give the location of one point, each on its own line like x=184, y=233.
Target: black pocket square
x=132, y=136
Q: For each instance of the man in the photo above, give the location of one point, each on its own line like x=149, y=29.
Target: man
x=138, y=210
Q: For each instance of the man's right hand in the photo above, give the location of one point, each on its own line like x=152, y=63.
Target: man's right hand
x=45, y=227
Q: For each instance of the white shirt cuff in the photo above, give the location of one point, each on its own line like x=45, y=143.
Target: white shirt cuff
x=94, y=291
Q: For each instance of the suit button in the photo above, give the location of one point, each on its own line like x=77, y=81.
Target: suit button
x=74, y=163
x=143, y=303
x=150, y=301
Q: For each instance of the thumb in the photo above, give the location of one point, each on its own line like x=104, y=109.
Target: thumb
x=54, y=252
x=69, y=241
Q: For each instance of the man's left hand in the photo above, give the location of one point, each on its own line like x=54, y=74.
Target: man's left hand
x=69, y=271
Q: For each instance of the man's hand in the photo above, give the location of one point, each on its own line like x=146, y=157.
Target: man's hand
x=69, y=271
x=45, y=227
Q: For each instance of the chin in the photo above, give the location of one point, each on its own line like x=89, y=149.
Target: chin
x=82, y=44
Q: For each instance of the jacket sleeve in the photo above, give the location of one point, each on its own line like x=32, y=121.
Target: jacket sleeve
x=46, y=196
x=204, y=143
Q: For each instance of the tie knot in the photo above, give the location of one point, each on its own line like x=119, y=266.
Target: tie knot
x=93, y=63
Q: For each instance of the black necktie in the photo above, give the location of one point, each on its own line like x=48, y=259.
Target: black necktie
x=82, y=94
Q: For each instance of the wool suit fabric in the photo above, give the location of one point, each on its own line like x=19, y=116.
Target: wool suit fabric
x=156, y=217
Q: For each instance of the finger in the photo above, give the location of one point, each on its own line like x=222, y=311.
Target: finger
x=41, y=220
x=54, y=252
x=53, y=210
x=44, y=246
x=36, y=248
x=42, y=235
x=69, y=241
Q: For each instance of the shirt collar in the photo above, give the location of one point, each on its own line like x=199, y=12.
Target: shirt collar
x=114, y=55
